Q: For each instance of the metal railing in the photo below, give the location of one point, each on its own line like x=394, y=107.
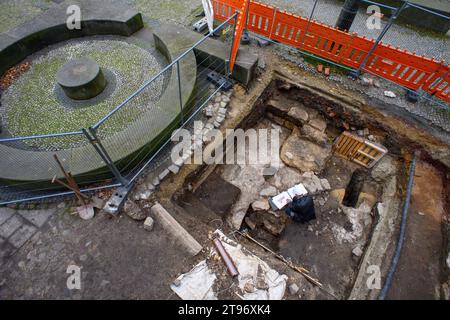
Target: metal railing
x=95, y=146
x=420, y=69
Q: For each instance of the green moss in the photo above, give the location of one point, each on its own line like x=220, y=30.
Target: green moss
x=15, y=12
x=32, y=107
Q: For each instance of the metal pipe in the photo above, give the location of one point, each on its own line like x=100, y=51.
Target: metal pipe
x=180, y=96
x=429, y=11
x=61, y=194
x=379, y=4
x=146, y=84
x=93, y=139
x=226, y=258
x=401, y=237
x=53, y=135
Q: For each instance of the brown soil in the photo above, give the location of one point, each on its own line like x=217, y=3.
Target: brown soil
x=418, y=272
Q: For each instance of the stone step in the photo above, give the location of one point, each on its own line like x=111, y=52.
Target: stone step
x=212, y=53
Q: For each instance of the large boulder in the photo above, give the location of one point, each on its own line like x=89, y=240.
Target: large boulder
x=315, y=135
x=385, y=168
x=303, y=154
x=286, y=178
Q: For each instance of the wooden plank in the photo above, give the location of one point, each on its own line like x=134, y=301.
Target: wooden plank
x=367, y=155
x=359, y=150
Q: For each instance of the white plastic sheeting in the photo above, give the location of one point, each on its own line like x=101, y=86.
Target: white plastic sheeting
x=196, y=284
x=256, y=280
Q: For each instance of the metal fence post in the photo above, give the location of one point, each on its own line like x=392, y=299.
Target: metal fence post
x=93, y=139
x=232, y=43
x=307, y=26
x=180, y=96
x=245, y=39
x=393, y=17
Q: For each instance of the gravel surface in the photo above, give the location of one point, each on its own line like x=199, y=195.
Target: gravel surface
x=33, y=96
x=432, y=113
x=327, y=11
x=15, y=12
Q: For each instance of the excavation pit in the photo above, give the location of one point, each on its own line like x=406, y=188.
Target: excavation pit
x=337, y=246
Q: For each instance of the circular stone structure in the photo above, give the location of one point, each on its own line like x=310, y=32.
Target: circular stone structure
x=81, y=79
x=129, y=135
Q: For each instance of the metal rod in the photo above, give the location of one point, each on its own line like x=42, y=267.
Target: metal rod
x=226, y=258
x=429, y=11
x=72, y=184
x=53, y=135
x=307, y=26
x=290, y=264
x=180, y=96
x=77, y=192
x=275, y=10
x=146, y=84
x=61, y=194
x=379, y=4
x=104, y=155
x=381, y=35
x=246, y=16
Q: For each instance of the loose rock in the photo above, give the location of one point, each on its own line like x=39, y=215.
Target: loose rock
x=261, y=205
x=269, y=192
x=293, y=289
x=303, y=154
x=390, y=94
x=384, y=169
x=357, y=251
x=148, y=224
x=132, y=210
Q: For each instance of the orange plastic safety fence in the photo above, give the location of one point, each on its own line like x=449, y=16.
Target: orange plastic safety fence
x=400, y=66
x=240, y=25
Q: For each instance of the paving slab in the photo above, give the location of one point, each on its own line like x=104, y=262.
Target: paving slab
x=37, y=217
x=21, y=236
x=5, y=214
x=11, y=225
x=211, y=53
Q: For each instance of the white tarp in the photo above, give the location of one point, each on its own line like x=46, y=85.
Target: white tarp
x=265, y=283
x=196, y=284
x=257, y=281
